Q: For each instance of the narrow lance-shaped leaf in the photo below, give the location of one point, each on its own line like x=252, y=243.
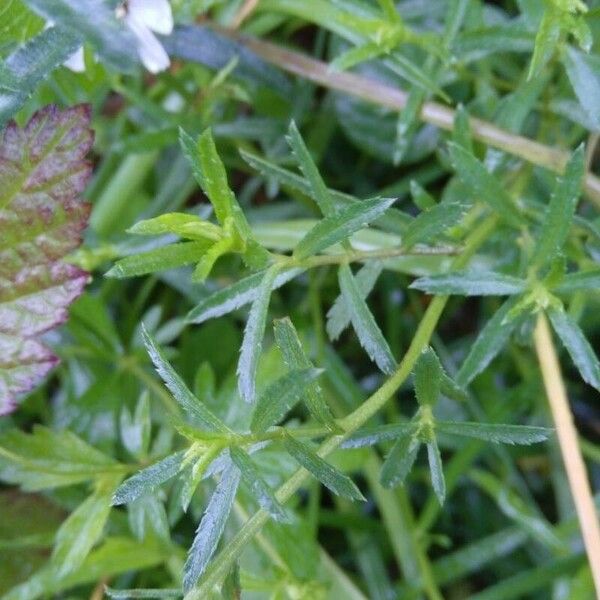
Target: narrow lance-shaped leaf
x=492, y=338
x=471, y=284
x=235, y=296
x=194, y=407
x=281, y=396
x=369, y=334
x=483, y=184
x=163, y=258
x=143, y=593
x=583, y=71
x=341, y=225
x=581, y=280
x=338, y=316
x=211, y=527
x=257, y=486
x=546, y=40
x=80, y=531
x=253, y=335
x=436, y=470
x=43, y=172
x=432, y=223
x=369, y=436
x=310, y=171
x=148, y=479
x=328, y=475
x=182, y=224
x=427, y=378
x=560, y=211
x=577, y=346
x=294, y=357
x=400, y=460
x=495, y=432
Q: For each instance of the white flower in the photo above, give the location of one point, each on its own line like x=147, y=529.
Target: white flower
x=142, y=17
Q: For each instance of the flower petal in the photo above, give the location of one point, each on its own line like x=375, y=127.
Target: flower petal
x=151, y=52
x=76, y=62
x=154, y=14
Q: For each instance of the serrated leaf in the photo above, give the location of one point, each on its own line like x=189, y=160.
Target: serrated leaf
x=329, y=476
x=235, y=296
x=95, y=21
x=370, y=436
x=80, y=531
x=471, y=284
x=211, y=527
x=43, y=171
x=184, y=225
x=583, y=71
x=30, y=64
x=577, y=346
x=560, y=210
x=369, y=334
x=193, y=407
x=253, y=335
x=338, y=316
x=258, y=487
x=399, y=461
x=281, y=396
x=495, y=432
x=163, y=258
x=436, y=471
x=490, y=341
x=427, y=378
x=148, y=479
x=341, y=225
x=46, y=459
x=484, y=185
x=581, y=280
x=430, y=224
x=310, y=171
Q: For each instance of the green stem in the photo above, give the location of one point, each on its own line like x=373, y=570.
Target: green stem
x=221, y=565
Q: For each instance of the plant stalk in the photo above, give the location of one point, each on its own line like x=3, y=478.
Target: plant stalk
x=569, y=446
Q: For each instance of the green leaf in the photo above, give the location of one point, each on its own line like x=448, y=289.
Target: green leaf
x=369, y=334
x=427, y=378
x=560, y=210
x=294, y=358
x=329, y=476
x=212, y=177
x=184, y=225
x=583, y=71
x=81, y=530
x=193, y=407
x=235, y=296
x=400, y=460
x=142, y=593
x=148, y=479
x=483, y=184
x=546, y=40
x=211, y=527
x=310, y=171
x=577, y=346
x=581, y=280
x=354, y=56
x=281, y=396
x=94, y=21
x=338, y=316
x=253, y=335
x=43, y=173
x=490, y=341
x=471, y=283
x=494, y=432
x=341, y=225
x=30, y=65
x=163, y=258
x=436, y=470
x=258, y=487
x=370, y=436
x=432, y=223
x=461, y=132
x=46, y=458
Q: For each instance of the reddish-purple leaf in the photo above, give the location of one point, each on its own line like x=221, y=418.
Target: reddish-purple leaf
x=43, y=172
